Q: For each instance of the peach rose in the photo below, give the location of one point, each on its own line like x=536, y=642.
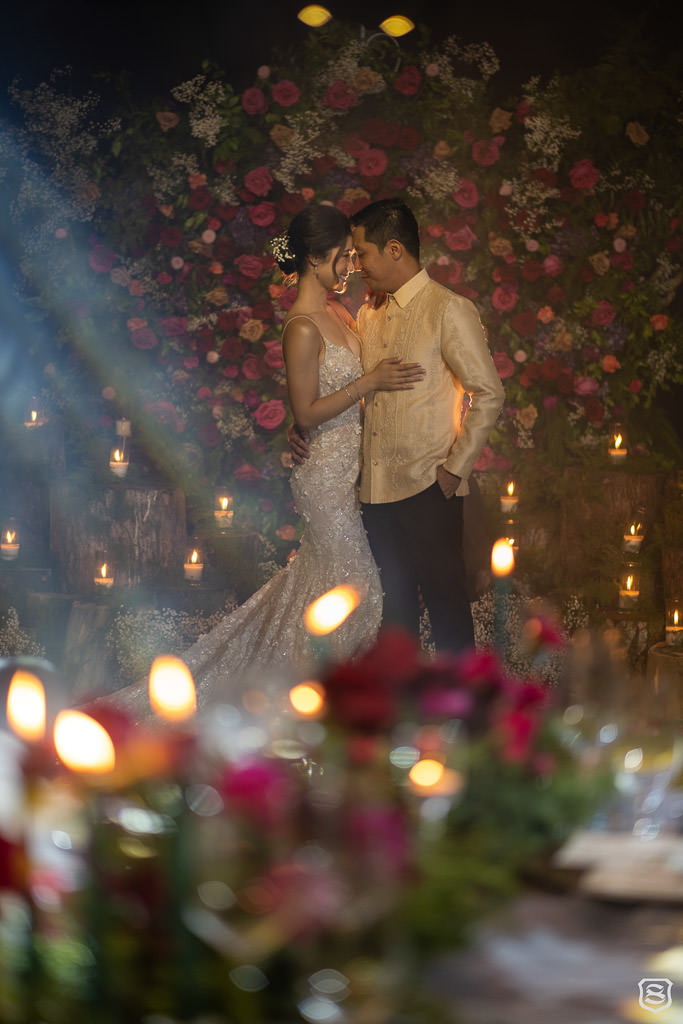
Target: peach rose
x=167, y=119
x=252, y=330
x=366, y=80
x=280, y=135
x=636, y=133
x=527, y=416
x=659, y=321
x=217, y=296
x=441, y=150
x=500, y=120
x=499, y=246
x=600, y=263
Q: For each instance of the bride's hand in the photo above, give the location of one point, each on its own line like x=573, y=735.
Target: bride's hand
x=395, y=375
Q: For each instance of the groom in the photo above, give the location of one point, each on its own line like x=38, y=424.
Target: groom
x=419, y=446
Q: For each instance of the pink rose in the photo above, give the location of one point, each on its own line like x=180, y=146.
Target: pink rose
x=659, y=321
x=504, y=298
x=603, y=314
x=586, y=386
x=286, y=532
x=552, y=266
x=273, y=357
x=409, y=80
x=503, y=364
x=583, y=174
x=485, y=459
x=466, y=195
x=610, y=363
x=251, y=367
x=372, y=162
x=254, y=101
x=485, y=153
x=340, y=97
x=101, y=258
x=166, y=413
x=249, y=266
x=174, y=326
x=270, y=414
x=461, y=239
x=259, y=181
x=262, y=214
x=247, y=472
x=144, y=338
x=286, y=93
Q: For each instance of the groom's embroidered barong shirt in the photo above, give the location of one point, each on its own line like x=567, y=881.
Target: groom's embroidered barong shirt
x=408, y=434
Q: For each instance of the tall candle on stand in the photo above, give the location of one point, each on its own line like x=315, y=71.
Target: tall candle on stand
x=502, y=564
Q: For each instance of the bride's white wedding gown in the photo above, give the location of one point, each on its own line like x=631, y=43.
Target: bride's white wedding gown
x=265, y=636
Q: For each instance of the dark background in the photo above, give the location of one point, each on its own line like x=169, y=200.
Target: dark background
x=162, y=44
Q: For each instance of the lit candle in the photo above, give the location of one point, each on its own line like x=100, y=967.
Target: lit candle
x=223, y=512
x=674, y=624
x=172, y=693
x=118, y=460
x=103, y=577
x=629, y=590
x=194, y=567
x=508, y=501
x=633, y=537
x=9, y=545
x=502, y=564
x=618, y=450
x=34, y=415
x=327, y=612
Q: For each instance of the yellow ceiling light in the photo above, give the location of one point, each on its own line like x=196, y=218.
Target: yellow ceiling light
x=314, y=15
x=397, y=25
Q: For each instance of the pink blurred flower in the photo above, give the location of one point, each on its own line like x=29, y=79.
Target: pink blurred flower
x=603, y=314
x=504, y=298
x=583, y=174
x=286, y=93
x=254, y=101
x=372, y=162
x=504, y=365
x=270, y=414
x=408, y=81
x=610, y=363
x=259, y=181
x=262, y=214
x=466, y=195
x=586, y=386
x=485, y=153
x=340, y=97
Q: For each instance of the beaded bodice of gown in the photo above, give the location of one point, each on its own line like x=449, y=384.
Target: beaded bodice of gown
x=265, y=635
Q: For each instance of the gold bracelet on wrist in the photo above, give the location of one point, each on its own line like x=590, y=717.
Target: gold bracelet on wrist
x=355, y=384
x=353, y=400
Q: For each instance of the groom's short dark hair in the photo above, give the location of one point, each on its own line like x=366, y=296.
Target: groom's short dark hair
x=387, y=219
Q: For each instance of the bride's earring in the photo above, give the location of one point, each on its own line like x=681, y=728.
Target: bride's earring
x=315, y=268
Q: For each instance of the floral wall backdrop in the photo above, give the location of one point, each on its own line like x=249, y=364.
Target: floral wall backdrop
x=142, y=233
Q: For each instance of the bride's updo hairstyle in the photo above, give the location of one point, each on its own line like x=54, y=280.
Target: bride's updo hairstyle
x=312, y=233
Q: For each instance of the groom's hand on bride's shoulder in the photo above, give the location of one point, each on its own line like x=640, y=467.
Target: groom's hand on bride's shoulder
x=298, y=444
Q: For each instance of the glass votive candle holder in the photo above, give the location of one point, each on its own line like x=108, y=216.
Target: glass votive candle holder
x=223, y=511
x=103, y=577
x=629, y=586
x=9, y=541
x=509, y=500
x=634, y=534
x=119, y=457
x=674, y=623
x=193, y=566
x=618, y=449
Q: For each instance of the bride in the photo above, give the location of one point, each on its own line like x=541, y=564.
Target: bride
x=326, y=387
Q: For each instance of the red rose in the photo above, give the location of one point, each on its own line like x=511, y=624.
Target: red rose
x=321, y=166
x=622, y=260
x=659, y=321
x=439, y=272
x=225, y=212
x=409, y=80
x=174, y=326
x=254, y=101
x=263, y=310
x=382, y=133
x=594, y=410
x=532, y=270
x=101, y=258
x=144, y=338
x=270, y=414
x=408, y=137
x=292, y=204
x=461, y=240
x=634, y=200
x=485, y=153
x=503, y=364
x=232, y=348
x=273, y=357
x=171, y=237
x=286, y=93
x=603, y=314
x=200, y=199
x=635, y=386
x=262, y=214
x=259, y=181
x=583, y=174
x=524, y=324
x=545, y=176
x=340, y=97
x=372, y=162
x=249, y=266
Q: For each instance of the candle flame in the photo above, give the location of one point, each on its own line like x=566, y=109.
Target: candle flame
x=103, y=570
x=307, y=698
x=225, y=503
x=426, y=773
x=82, y=744
x=676, y=617
x=117, y=455
x=194, y=557
x=502, y=557
x=618, y=440
x=629, y=583
x=34, y=415
x=172, y=692
x=26, y=706
x=10, y=536
x=511, y=488
x=327, y=612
